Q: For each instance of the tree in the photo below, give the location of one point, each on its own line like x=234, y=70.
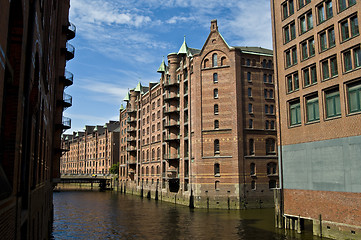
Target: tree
x=114, y=169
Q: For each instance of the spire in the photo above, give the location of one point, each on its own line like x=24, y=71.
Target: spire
x=162, y=67
x=139, y=88
x=184, y=48
x=121, y=107
x=127, y=97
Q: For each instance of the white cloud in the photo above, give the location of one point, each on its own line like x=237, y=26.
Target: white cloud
x=177, y=19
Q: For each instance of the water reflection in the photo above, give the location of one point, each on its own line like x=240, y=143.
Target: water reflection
x=110, y=215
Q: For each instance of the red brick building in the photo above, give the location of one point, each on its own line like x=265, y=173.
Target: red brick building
x=33, y=55
x=205, y=133
x=93, y=151
x=317, y=59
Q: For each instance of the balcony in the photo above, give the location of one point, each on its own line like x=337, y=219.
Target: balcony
x=171, y=123
x=131, y=149
x=131, y=139
x=171, y=109
x=171, y=156
x=65, y=123
x=172, y=137
x=131, y=110
x=131, y=129
x=67, y=79
x=69, y=51
x=132, y=161
x=172, y=174
x=171, y=83
x=70, y=31
x=171, y=96
x=131, y=120
x=67, y=101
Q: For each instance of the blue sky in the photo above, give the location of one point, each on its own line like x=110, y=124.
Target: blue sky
x=122, y=42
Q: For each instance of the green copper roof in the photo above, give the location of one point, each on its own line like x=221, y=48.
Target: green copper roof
x=96, y=128
x=77, y=134
x=121, y=107
x=139, y=88
x=127, y=97
x=184, y=48
x=162, y=67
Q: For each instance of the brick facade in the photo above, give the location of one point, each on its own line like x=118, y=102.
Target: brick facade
x=33, y=55
x=93, y=151
x=316, y=64
x=205, y=128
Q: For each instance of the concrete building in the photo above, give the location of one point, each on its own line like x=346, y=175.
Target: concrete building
x=33, y=55
x=204, y=134
x=317, y=65
x=93, y=151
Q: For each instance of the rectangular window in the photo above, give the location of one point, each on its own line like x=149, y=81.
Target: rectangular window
x=349, y=28
x=302, y=3
x=308, y=48
x=306, y=22
x=295, y=113
x=343, y=4
x=309, y=75
x=292, y=82
x=332, y=100
x=329, y=68
x=324, y=11
x=286, y=32
x=354, y=97
x=291, y=57
x=352, y=58
x=288, y=8
x=250, y=123
x=249, y=92
x=312, y=109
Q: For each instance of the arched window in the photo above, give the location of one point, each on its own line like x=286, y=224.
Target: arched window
x=158, y=170
x=264, y=78
x=271, y=168
x=142, y=170
x=147, y=155
x=215, y=77
x=248, y=62
x=253, y=185
x=215, y=93
x=264, y=63
x=223, y=61
x=270, y=146
x=216, y=109
x=251, y=147
x=206, y=63
x=158, y=153
x=147, y=171
x=143, y=157
x=216, y=185
x=249, y=76
x=269, y=64
x=152, y=171
x=153, y=154
x=267, y=124
x=217, y=170
x=252, y=169
x=216, y=146
x=216, y=124
x=270, y=80
x=214, y=60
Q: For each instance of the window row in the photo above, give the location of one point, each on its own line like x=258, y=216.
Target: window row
x=271, y=169
x=324, y=9
x=214, y=61
x=270, y=146
x=331, y=104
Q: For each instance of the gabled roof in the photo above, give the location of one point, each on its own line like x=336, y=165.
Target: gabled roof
x=255, y=50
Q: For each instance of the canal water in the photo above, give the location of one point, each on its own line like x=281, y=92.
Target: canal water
x=111, y=215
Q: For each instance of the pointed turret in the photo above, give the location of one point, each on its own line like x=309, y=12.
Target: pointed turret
x=184, y=48
x=121, y=107
x=162, y=67
x=139, y=88
x=127, y=97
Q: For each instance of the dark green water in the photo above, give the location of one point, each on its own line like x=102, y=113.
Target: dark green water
x=111, y=215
